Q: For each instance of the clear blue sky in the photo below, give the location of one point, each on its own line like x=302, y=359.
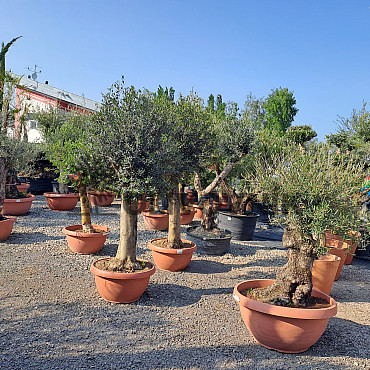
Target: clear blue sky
x=319, y=50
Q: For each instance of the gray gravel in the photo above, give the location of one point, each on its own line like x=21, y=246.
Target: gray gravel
x=52, y=316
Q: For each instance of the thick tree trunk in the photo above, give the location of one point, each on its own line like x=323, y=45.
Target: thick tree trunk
x=126, y=253
x=85, y=210
x=11, y=190
x=156, y=203
x=293, y=283
x=3, y=173
x=181, y=191
x=209, y=214
x=174, y=231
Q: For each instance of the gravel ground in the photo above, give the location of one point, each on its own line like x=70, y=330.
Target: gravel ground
x=52, y=316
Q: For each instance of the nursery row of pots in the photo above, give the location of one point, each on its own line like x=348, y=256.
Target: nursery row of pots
x=284, y=329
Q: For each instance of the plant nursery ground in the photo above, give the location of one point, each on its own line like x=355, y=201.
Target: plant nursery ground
x=52, y=317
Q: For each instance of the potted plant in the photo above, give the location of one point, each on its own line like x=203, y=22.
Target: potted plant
x=313, y=188
x=183, y=145
x=68, y=151
x=128, y=132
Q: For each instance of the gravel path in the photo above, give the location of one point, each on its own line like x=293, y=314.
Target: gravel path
x=52, y=317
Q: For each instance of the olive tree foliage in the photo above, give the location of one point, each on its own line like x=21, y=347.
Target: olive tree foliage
x=128, y=133
x=280, y=110
x=317, y=189
x=353, y=134
x=233, y=137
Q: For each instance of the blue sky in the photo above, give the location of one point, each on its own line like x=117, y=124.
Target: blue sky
x=319, y=50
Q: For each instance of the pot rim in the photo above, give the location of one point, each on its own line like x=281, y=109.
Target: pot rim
x=30, y=197
x=155, y=248
x=90, y=192
x=299, y=313
x=122, y=275
x=157, y=215
x=69, y=230
x=229, y=214
x=9, y=219
x=57, y=195
x=328, y=257
x=189, y=229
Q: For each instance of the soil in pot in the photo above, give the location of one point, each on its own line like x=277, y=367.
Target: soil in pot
x=242, y=227
x=156, y=221
x=6, y=227
x=284, y=329
x=17, y=207
x=86, y=243
x=171, y=259
x=121, y=287
x=214, y=242
x=61, y=202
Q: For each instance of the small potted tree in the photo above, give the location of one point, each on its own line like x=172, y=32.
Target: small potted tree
x=183, y=146
x=127, y=133
x=312, y=188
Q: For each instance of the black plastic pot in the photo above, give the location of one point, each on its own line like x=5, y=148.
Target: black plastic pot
x=211, y=246
x=241, y=226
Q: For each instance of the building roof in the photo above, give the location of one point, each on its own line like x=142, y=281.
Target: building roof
x=53, y=92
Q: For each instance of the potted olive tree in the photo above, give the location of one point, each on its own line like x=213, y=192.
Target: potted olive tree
x=185, y=144
x=68, y=150
x=313, y=188
x=127, y=133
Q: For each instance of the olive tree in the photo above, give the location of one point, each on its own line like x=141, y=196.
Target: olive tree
x=317, y=191
x=127, y=133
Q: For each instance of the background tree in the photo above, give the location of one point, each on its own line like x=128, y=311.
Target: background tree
x=4, y=50
x=280, y=110
x=300, y=134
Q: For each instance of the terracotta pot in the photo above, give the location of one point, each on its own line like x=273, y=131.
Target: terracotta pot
x=198, y=211
x=342, y=253
x=333, y=240
x=6, y=227
x=172, y=259
x=142, y=205
x=351, y=245
x=101, y=198
x=324, y=271
x=121, y=287
x=23, y=187
x=61, y=202
x=17, y=207
x=284, y=329
x=85, y=243
x=156, y=221
x=187, y=217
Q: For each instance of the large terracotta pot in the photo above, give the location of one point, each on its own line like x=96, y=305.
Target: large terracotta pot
x=17, y=207
x=85, y=243
x=284, y=329
x=187, y=217
x=61, y=202
x=6, y=227
x=142, y=205
x=121, y=287
x=101, y=198
x=156, y=221
x=23, y=187
x=324, y=271
x=172, y=259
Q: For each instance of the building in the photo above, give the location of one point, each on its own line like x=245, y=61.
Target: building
x=33, y=96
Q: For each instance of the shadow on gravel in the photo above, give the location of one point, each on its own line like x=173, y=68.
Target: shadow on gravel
x=173, y=295
x=32, y=237
x=210, y=267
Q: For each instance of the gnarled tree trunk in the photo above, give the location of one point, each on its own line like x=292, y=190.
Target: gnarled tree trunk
x=293, y=283
x=209, y=216
x=85, y=210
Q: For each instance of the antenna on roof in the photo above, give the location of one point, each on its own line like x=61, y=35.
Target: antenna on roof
x=35, y=71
